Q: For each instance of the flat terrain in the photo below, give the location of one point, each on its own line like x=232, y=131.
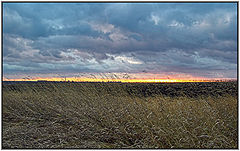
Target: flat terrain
x=120, y=115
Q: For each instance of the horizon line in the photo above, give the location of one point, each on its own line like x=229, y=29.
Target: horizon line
x=150, y=80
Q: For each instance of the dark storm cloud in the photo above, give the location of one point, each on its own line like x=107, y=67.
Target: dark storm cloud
x=76, y=37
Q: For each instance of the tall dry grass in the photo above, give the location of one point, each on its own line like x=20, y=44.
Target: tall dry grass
x=117, y=115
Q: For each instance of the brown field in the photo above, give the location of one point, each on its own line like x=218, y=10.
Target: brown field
x=120, y=115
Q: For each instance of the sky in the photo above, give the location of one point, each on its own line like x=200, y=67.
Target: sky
x=140, y=39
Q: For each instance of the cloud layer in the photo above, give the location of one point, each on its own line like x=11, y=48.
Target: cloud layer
x=198, y=39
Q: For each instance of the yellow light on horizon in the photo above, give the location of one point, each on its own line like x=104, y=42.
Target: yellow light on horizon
x=73, y=79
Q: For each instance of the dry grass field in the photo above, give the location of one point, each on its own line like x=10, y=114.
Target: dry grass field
x=120, y=115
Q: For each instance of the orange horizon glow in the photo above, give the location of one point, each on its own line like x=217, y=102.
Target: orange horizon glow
x=73, y=79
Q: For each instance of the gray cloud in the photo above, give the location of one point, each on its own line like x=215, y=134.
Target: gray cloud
x=193, y=38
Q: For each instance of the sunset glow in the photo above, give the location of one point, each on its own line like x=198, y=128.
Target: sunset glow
x=72, y=79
